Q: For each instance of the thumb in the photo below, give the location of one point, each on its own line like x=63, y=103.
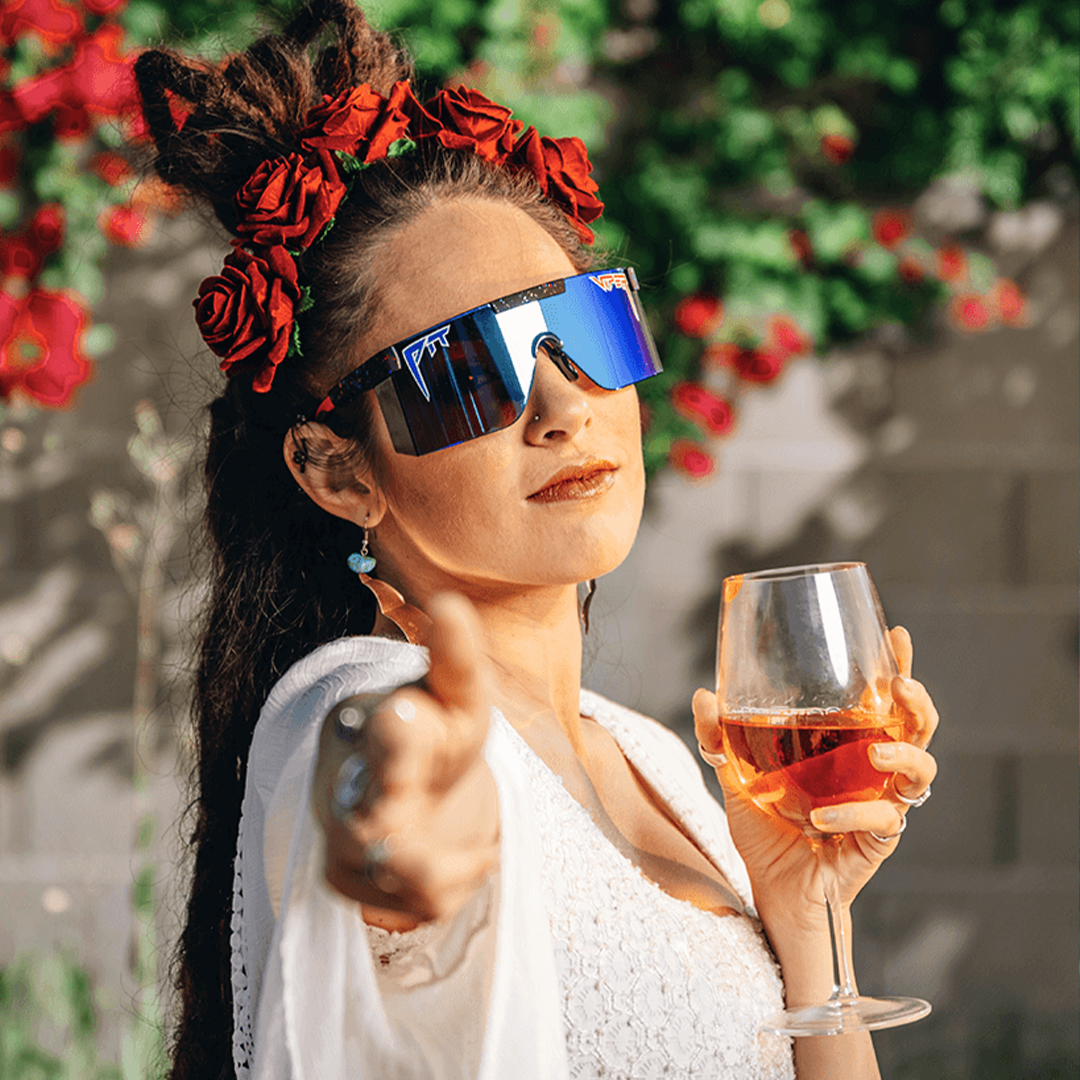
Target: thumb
x=455, y=678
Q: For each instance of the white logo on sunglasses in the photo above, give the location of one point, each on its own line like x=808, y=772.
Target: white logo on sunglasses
x=615, y=280
x=416, y=350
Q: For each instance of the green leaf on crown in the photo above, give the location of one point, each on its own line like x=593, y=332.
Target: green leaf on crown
x=350, y=163
x=322, y=235
x=399, y=147
x=294, y=343
x=306, y=302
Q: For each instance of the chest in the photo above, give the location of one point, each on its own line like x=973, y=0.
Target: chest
x=633, y=820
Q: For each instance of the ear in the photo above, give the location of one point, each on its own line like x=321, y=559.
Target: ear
x=333, y=473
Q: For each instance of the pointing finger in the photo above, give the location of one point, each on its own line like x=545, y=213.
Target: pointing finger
x=455, y=675
x=900, y=640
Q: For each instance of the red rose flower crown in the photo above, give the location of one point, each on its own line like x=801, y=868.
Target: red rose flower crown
x=248, y=313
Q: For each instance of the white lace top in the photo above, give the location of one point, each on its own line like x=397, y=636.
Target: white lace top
x=571, y=965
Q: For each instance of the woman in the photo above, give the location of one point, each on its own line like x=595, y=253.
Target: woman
x=451, y=860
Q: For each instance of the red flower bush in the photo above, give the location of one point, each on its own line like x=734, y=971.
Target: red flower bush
x=911, y=270
x=290, y=200
x=40, y=347
x=54, y=22
x=698, y=315
x=971, y=313
x=46, y=228
x=689, y=459
x=10, y=157
x=801, y=247
x=111, y=167
x=247, y=313
x=19, y=257
x=696, y=403
x=359, y=122
x=890, y=227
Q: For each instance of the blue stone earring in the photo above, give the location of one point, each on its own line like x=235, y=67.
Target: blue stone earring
x=360, y=562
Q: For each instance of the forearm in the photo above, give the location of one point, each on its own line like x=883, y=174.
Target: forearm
x=805, y=957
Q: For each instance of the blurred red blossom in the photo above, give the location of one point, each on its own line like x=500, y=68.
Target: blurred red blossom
x=911, y=270
x=40, y=347
x=970, y=312
x=1010, y=302
x=125, y=225
x=788, y=337
x=699, y=315
x=111, y=167
x=760, y=365
x=690, y=459
x=10, y=156
x=104, y=7
x=19, y=258
x=951, y=263
x=890, y=227
x=46, y=228
x=801, y=247
x=837, y=148
x=696, y=403
x=54, y=21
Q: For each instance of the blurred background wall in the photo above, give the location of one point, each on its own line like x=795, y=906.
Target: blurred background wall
x=935, y=441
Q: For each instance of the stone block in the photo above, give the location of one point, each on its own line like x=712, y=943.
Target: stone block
x=1052, y=526
x=1049, y=830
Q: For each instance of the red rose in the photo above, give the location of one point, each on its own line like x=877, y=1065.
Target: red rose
x=247, y=313
x=698, y=315
x=1011, y=303
x=690, y=459
x=951, y=263
x=787, y=336
x=837, y=148
x=71, y=125
x=104, y=7
x=359, y=122
x=40, y=347
x=289, y=200
x=890, y=227
x=11, y=114
x=711, y=411
x=465, y=119
x=561, y=167
x=124, y=225
x=759, y=365
x=46, y=228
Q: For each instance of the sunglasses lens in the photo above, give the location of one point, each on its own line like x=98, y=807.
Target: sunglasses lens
x=472, y=376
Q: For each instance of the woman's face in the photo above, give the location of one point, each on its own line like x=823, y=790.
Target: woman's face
x=476, y=516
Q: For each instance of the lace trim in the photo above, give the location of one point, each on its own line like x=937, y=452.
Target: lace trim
x=243, y=1036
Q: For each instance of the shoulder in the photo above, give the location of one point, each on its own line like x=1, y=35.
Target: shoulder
x=641, y=736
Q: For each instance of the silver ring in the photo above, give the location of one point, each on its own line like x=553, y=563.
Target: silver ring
x=350, y=785
x=376, y=856
x=715, y=760
x=891, y=836
x=911, y=802
x=351, y=720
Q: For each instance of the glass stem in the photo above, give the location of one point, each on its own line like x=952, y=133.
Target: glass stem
x=829, y=857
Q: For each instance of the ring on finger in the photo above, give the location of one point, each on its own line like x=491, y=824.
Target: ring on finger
x=917, y=801
x=715, y=760
x=376, y=856
x=891, y=836
x=350, y=785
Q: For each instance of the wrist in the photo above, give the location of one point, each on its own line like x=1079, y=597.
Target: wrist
x=802, y=946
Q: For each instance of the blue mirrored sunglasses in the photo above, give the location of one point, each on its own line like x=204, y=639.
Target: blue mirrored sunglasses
x=471, y=375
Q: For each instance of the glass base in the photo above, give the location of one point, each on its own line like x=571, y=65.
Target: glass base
x=842, y=1015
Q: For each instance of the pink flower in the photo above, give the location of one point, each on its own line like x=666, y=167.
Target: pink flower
x=788, y=337
x=891, y=227
x=696, y=403
x=699, y=315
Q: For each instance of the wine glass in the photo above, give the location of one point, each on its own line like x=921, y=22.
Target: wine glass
x=803, y=674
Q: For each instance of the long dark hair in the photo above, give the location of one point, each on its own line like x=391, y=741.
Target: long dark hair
x=279, y=585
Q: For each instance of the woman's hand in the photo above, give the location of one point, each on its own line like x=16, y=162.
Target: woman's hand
x=782, y=866
x=423, y=833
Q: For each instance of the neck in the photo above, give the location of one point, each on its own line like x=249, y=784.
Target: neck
x=532, y=645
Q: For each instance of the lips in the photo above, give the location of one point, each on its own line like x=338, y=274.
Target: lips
x=577, y=482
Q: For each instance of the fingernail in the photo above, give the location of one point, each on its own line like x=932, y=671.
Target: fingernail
x=883, y=752
x=824, y=817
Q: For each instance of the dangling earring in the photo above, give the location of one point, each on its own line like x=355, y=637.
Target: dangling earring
x=411, y=621
x=360, y=562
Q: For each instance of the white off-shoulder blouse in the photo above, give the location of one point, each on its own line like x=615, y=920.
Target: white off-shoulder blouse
x=570, y=964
